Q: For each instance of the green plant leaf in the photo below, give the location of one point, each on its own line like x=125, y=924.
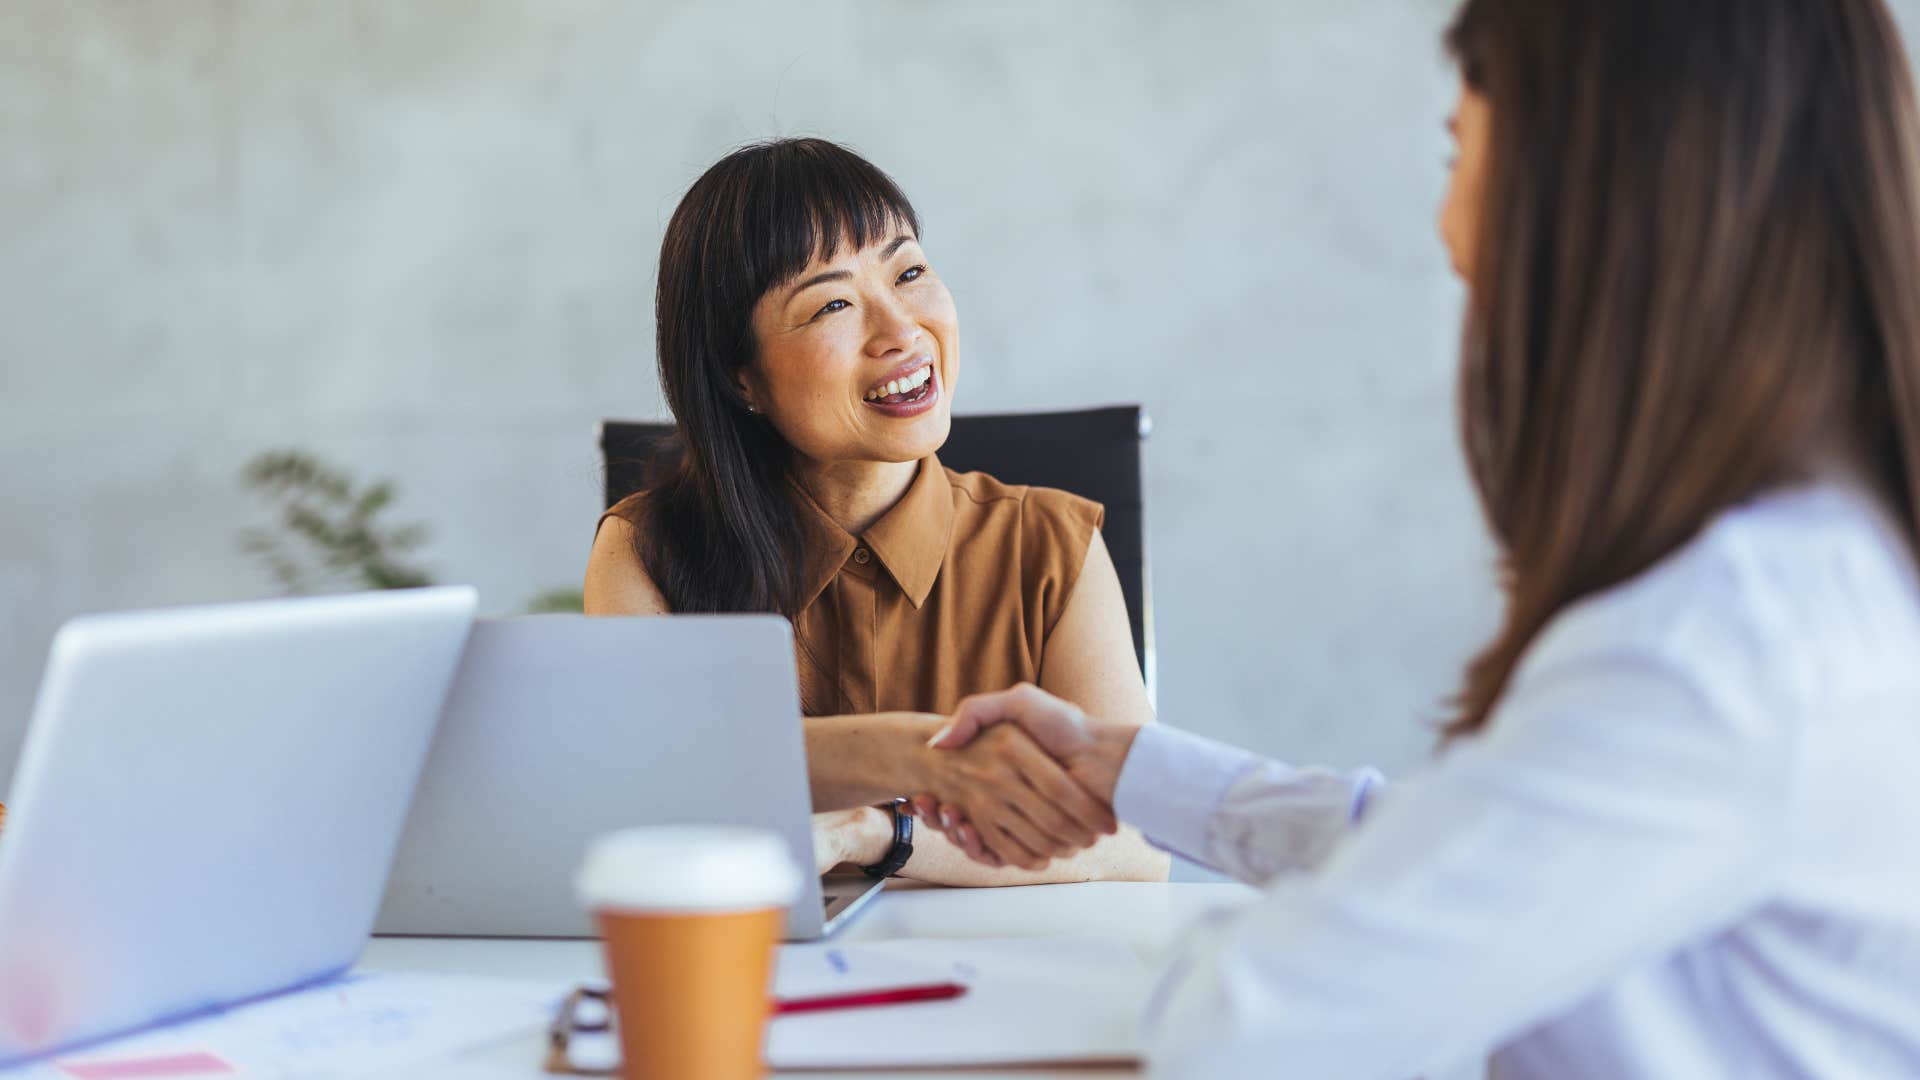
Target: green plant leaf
x=330, y=532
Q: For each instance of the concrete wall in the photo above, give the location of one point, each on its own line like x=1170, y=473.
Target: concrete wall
x=418, y=238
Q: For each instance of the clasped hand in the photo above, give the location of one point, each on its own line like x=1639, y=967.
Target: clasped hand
x=1035, y=782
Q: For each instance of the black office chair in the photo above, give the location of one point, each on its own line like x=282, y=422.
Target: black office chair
x=1094, y=453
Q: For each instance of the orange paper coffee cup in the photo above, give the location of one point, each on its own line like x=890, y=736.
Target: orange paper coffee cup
x=689, y=918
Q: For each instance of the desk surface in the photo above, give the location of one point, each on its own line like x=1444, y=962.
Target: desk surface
x=1147, y=916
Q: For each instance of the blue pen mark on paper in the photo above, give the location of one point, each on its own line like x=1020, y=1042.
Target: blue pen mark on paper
x=837, y=961
x=356, y=1027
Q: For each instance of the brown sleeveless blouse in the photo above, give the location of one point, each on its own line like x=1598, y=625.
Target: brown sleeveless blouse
x=954, y=592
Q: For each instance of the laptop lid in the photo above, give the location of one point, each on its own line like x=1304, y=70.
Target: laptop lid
x=207, y=803
x=563, y=727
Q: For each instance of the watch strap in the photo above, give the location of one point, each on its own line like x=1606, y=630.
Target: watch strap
x=902, y=848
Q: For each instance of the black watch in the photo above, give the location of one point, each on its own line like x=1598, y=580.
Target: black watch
x=902, y=848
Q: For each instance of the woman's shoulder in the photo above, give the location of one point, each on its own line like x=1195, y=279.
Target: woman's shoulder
x=622, y=527
x=632, y=510
x=617, y=579
x=1041, y=512
x=1048, y=533
x=1796, y=590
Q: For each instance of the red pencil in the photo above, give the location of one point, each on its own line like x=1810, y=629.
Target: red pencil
x=868, y=998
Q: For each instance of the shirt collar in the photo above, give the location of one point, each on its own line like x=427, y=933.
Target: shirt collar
x=910, y=540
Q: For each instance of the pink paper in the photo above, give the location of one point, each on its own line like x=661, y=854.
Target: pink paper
x=198, y=1064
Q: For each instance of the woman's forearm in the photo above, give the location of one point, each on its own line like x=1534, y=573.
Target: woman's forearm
x=862, y=837
x=867, y=759
x=998, y=781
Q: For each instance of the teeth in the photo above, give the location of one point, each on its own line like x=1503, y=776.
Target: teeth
x=901, y=386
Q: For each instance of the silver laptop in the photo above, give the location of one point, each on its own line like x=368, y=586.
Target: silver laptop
x=207, y=803
x=562, y=727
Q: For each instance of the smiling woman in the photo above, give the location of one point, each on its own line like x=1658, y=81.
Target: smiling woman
x=810, y=355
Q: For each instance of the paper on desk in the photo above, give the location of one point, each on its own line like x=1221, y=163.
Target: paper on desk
x=359, y=1024
x=1029, y=1001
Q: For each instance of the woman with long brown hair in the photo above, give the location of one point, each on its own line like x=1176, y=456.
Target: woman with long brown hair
x=1675, y=829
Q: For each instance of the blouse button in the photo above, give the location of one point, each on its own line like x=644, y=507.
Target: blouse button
x=862, y=556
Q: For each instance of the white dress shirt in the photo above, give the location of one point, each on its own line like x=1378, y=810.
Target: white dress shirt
x=1686, y=845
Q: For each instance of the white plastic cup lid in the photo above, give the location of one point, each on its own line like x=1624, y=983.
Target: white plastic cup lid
x=687, y=868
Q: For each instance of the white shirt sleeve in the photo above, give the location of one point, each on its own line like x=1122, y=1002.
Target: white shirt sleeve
x=1234, y=811
x=1626, y=799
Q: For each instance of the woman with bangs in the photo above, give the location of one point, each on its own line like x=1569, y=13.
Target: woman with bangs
x=810, y=355
x=1675, y=829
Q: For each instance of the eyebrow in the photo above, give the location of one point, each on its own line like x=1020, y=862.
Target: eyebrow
x=819, y=279
x=842, y=275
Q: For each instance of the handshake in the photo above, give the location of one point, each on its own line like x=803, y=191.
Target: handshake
x=1020, y=777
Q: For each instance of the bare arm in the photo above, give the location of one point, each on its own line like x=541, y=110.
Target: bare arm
x=617, y=582
x=863, y=837
x=1090, y=661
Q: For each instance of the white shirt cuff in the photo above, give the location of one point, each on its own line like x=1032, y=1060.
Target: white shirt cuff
x=1171, y=784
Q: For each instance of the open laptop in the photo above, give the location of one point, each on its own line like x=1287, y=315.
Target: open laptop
x=562, y=727
x=207, y=803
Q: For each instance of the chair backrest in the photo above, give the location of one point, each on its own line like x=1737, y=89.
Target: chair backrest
x=1094, y=453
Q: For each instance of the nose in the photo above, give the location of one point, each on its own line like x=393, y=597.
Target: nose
x=891, y=330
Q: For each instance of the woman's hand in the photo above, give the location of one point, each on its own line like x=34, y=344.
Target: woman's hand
x=1020, y=805
x=1020, y=802
x=861, y=836
x=1092, y=753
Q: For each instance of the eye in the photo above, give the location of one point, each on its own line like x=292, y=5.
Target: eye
x=911, y=273
x=832, y=306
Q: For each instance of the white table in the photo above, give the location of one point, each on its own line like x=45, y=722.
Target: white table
x=1147, y=916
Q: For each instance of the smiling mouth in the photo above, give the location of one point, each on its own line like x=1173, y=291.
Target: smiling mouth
x=914, y=387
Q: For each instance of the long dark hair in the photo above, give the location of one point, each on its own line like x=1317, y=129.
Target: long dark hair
x=1698, y=270
x=719, y=532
